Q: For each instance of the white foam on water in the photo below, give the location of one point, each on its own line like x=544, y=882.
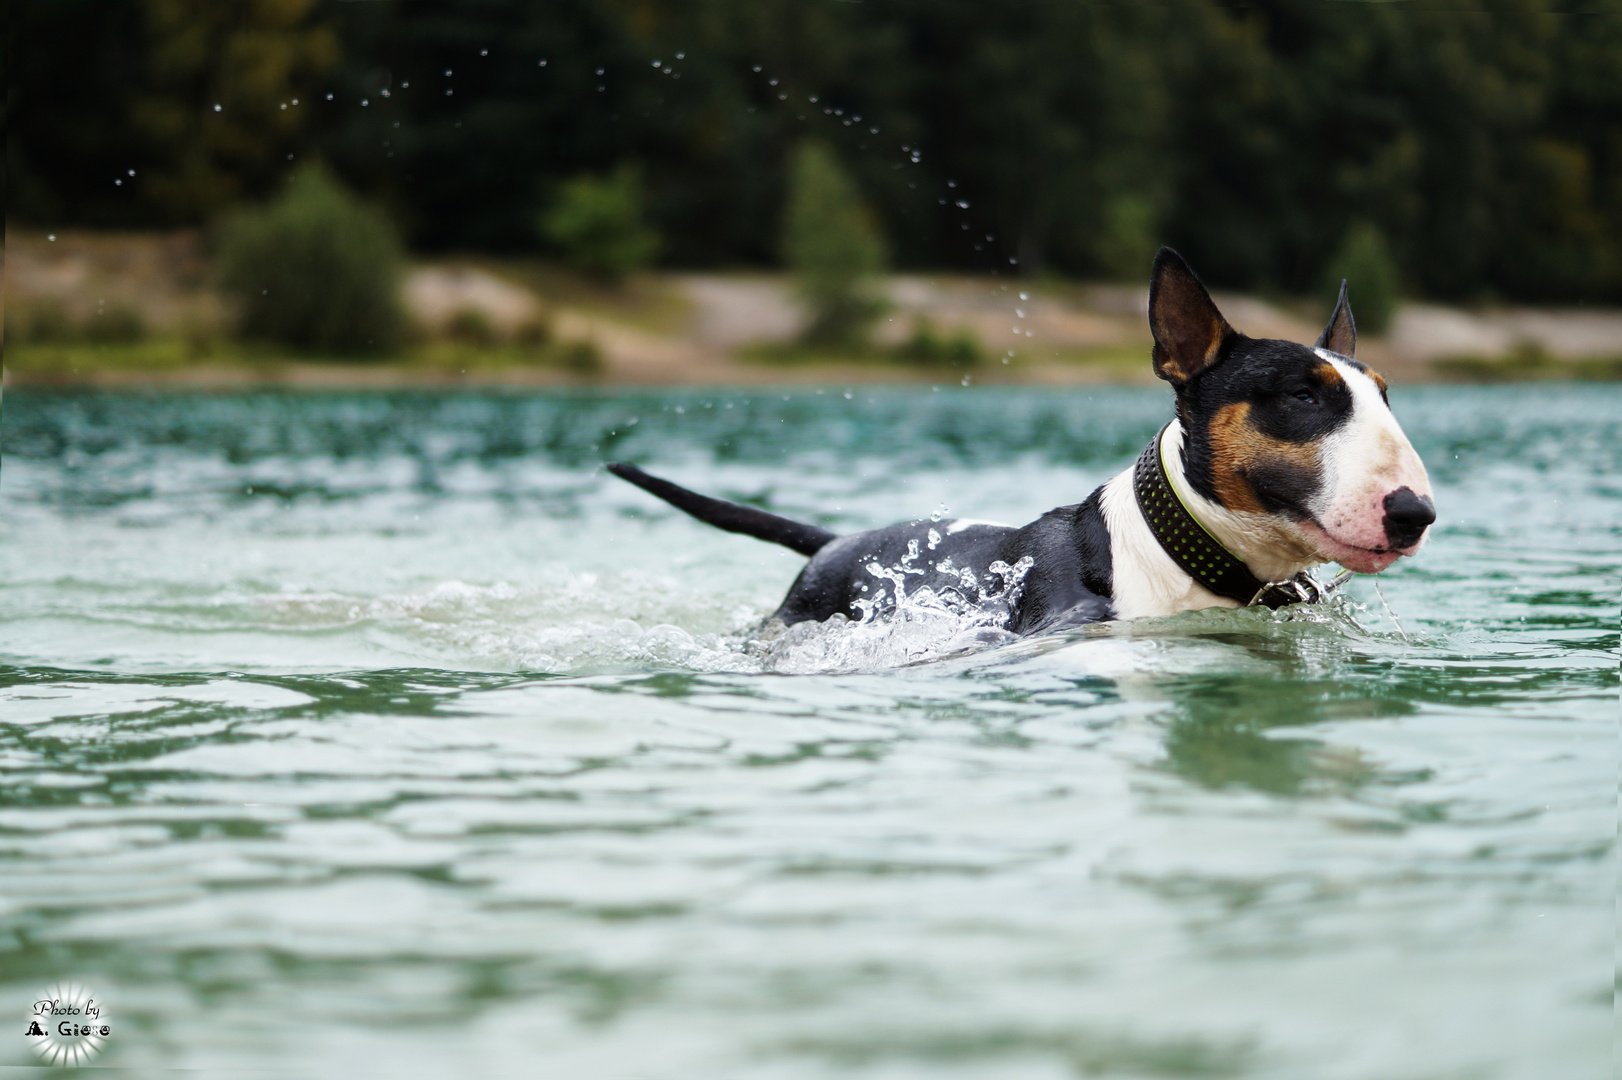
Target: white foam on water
x=590, y=623
x=601, y=623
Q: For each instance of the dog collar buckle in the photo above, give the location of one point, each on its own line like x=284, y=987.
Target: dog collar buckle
x=1277, y=594
x=1303, y=588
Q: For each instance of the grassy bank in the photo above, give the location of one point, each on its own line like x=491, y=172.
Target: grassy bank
x=177, y=360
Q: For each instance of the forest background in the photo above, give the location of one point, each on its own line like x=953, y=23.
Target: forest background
x=1483, y=144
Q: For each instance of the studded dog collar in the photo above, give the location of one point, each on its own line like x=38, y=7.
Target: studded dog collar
x=1197, y=551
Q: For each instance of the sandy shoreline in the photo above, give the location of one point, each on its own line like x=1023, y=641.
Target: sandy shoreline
x=387, y=376
x=693, y=329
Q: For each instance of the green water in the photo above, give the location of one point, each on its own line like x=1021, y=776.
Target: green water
x=387, y=735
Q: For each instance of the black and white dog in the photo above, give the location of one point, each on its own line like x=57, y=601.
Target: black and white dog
x=1280, y=458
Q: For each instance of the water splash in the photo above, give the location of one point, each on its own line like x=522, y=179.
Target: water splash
x=1392, y=615
x=899, y=626
x=583, y=624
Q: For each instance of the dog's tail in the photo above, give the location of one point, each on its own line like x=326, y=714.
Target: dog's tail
x=806, y=539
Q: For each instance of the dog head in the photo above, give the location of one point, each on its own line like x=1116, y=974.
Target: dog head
x=1288, y=438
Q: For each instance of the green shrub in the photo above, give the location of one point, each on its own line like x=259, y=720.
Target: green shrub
x=926, y=346
x=117, y=325
x=316, y=269
x=533, y=333
x=42, y=323
x=473, y=326
x=1364, y=261
x=582, y=357
x=833, y=248
x=597, y=224
x=200, y=340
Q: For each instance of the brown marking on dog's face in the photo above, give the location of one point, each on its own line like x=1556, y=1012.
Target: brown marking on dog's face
x=1246, y=463
x=1328, y=375
x=1233, y=447
x=1379, y=380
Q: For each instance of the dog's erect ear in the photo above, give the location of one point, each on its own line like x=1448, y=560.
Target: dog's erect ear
x=1341, y=334
x=1188, y=328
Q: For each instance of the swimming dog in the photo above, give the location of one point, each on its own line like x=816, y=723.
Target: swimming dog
x=1280, y=458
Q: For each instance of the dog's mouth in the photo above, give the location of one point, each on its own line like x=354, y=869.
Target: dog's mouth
x=1363, y=560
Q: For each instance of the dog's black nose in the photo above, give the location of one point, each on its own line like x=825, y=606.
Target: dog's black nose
x=1407, y=516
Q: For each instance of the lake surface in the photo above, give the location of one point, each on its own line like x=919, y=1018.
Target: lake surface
x=388, y=735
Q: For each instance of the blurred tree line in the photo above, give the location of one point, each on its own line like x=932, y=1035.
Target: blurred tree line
x=1480, y=148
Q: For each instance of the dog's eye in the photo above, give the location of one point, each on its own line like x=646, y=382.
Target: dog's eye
x=1306, y=396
